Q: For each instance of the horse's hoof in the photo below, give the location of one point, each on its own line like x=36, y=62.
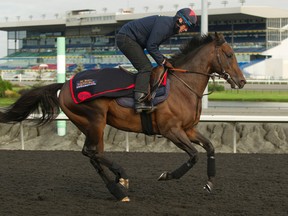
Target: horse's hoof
x=165, y=176
x=125, y=199
x=124, y=182
x=208, y=187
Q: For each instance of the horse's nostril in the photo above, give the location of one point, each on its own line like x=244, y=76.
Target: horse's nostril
x=242, y=83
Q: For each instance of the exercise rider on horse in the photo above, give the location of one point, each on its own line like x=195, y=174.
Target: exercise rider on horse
x=149, y=33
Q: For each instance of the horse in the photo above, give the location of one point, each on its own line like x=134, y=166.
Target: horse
x=175, y=118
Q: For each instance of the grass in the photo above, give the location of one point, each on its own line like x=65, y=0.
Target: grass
x=246, y=95
x=228, y=95
x=4, y=102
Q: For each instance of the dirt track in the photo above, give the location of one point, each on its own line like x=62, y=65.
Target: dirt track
x=64, y=183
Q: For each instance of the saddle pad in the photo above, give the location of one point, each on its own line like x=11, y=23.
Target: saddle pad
x=161, y=94
x=108, y=82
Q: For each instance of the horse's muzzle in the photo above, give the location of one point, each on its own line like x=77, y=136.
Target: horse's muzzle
x=242, y=83
x=239, y=84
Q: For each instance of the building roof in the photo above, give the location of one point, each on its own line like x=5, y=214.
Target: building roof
x=78, y=17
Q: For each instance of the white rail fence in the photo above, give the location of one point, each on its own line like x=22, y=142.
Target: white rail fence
x=233, y=119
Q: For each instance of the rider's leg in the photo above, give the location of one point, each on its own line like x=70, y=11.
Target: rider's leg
x=135, y=53
x=142, y=91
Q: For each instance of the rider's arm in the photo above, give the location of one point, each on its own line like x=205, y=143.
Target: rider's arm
x=162, y=30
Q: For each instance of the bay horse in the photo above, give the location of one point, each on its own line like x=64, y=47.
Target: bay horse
x=174, y=119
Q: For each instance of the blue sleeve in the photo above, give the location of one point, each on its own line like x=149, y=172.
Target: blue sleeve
x=159, y=34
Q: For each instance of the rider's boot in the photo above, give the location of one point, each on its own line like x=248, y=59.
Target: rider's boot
x=141, y=103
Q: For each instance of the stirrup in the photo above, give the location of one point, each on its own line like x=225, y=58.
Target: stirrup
x=142, y=107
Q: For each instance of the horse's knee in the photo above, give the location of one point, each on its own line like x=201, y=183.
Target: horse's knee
x=209, y=149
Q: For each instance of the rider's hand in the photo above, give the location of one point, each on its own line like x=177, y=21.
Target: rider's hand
x=167, y=64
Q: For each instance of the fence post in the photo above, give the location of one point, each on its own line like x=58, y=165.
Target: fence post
x=127, y=142
x=234, y=137
x=61, y=77
x=22, y=136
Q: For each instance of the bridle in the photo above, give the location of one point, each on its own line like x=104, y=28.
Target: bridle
x=223, y=74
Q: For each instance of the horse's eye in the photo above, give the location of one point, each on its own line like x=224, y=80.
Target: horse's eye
x=229, y=55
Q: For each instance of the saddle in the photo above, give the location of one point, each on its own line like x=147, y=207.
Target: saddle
x=156, y=78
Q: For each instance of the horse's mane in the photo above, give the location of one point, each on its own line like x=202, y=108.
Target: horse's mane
x=188, y=47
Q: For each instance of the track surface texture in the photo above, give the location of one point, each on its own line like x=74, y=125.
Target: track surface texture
x=60, y=183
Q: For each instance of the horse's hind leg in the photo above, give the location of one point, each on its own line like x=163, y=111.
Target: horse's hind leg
x=118, y=190
x=196, y=137
x=115, y=168
x=93, y=148
x=90, y=118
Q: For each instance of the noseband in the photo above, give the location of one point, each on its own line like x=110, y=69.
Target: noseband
x=223, y=74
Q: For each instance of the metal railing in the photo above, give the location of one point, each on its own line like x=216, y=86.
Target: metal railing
x=233, y=119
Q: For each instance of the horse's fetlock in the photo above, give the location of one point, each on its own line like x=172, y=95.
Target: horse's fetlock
x=193, y=160
x=88, y=152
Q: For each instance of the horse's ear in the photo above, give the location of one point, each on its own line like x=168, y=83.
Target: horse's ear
x=219, y=39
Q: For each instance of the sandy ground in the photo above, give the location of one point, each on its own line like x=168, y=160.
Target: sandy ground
x=64, y=183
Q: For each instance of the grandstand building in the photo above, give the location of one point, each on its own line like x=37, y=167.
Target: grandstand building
x=90, y=39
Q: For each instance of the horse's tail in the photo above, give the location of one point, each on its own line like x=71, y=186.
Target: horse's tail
x=42, y=100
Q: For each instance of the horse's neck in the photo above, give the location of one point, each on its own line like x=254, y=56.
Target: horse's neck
x=198, y=74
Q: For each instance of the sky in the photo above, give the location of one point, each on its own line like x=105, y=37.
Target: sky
x=23, y=9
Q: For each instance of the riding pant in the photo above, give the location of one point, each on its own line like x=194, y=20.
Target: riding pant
x=135, y=53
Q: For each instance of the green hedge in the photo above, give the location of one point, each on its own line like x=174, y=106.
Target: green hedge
x=4, y=86
x=216, y=87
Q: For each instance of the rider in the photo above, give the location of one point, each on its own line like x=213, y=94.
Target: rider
x=149, y=33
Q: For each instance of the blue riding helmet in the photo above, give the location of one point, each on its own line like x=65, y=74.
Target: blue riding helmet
x=188, y=15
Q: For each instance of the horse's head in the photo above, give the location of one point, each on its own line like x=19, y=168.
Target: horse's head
x=225, y=63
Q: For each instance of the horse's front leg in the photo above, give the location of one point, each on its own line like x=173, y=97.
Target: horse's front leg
x=117, y=188
x=196, y=137
x=180, y=139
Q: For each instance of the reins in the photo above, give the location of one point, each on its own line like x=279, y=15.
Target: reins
x=213, y=75
x=223, y=74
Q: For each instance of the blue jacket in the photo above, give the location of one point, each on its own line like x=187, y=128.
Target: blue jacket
x=150, y=32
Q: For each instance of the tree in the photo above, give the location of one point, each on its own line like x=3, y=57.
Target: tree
x=79, y=68
x=176, y=6
x=242, y=2
x=224, y=3
x=146, y=9
x=192, y=5
x=4, y=86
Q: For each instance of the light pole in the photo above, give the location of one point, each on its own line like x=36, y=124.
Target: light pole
x=204, y=31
